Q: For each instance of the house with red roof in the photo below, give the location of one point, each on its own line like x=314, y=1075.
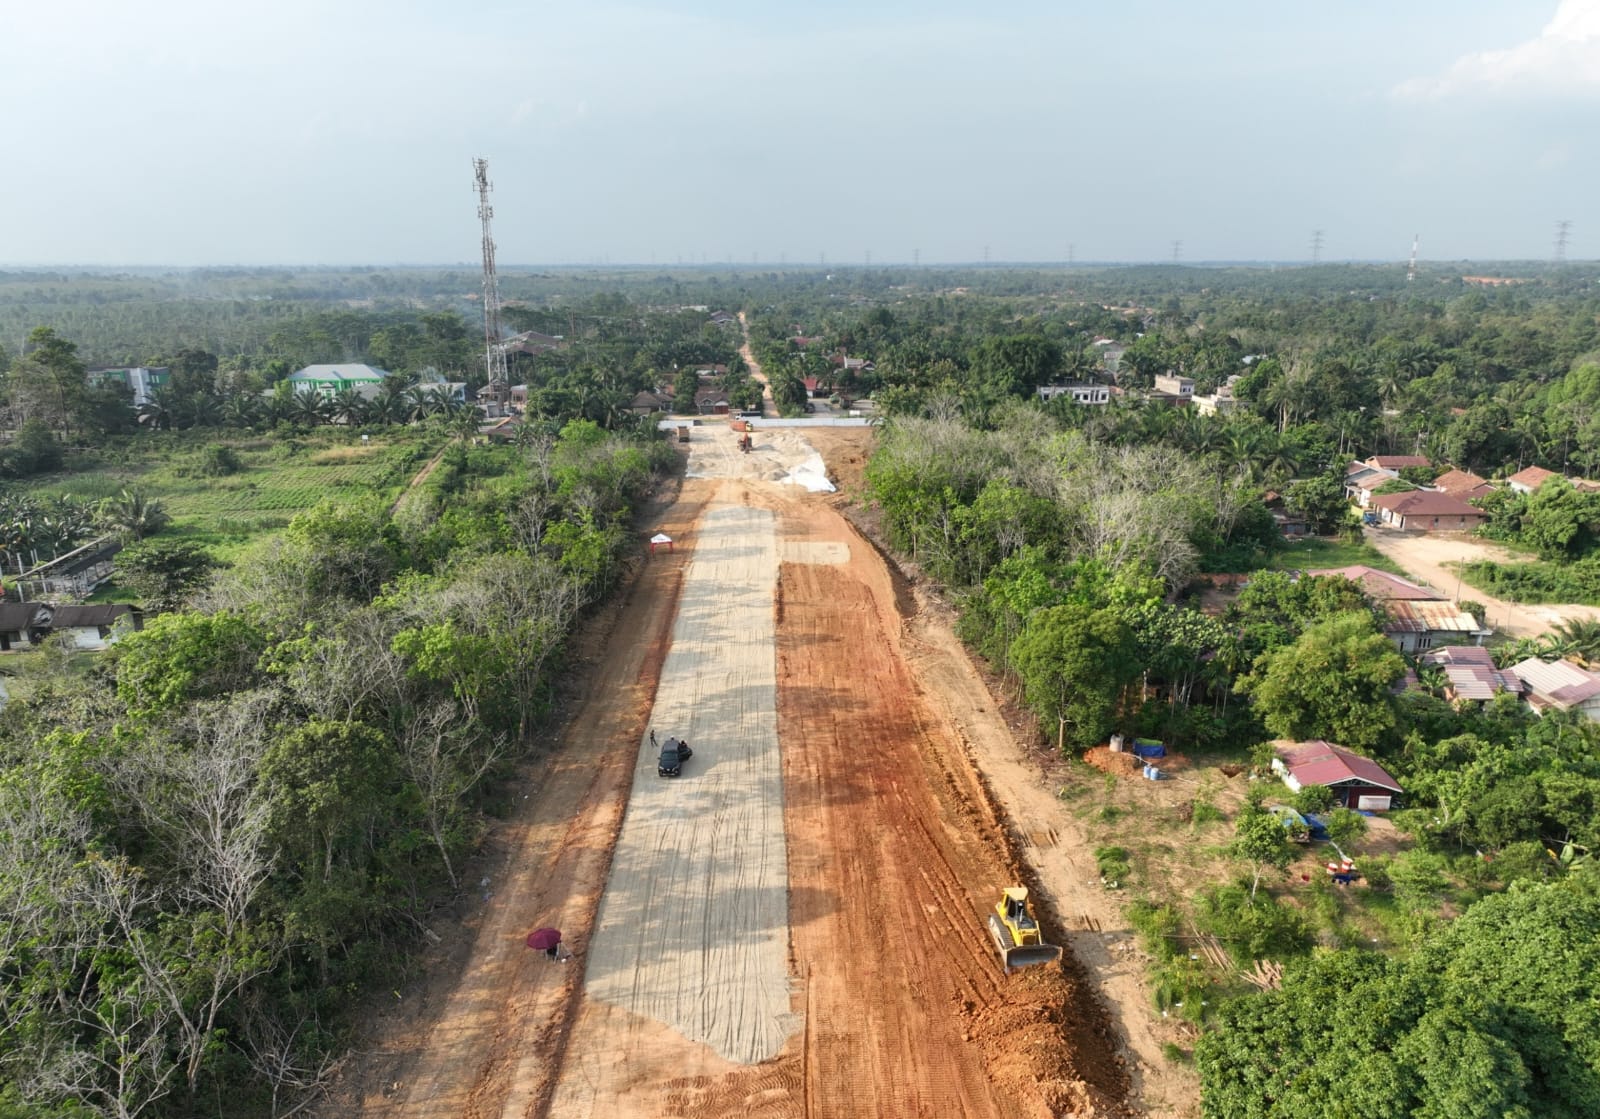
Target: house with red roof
x=1530, y=479
x=1471, y=674
x=1398, y=462
x=1463, y=484
x=1357, y=782
x=1427, y=511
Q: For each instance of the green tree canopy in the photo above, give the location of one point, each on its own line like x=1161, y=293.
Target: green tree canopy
x=1074, y=662
x=1334, y=682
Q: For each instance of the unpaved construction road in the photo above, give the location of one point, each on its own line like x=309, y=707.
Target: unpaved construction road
x=1435, y=560
x=792, y=928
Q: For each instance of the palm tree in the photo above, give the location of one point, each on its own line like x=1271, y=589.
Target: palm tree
x=241, y=411
x=310, y=408
x=157, y=412
x=131, y=515
x=1577, y=637
x=348, y=407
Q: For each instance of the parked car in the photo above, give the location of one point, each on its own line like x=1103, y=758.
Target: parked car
x=673, y=754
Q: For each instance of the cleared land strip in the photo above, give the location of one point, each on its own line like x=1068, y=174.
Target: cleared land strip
x=693, y=928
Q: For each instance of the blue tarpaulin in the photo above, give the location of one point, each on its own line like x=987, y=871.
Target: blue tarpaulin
x=1149, y=748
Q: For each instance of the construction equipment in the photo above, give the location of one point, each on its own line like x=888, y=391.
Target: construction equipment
x=1016, y=934
x=683, y=434
x=746, y=444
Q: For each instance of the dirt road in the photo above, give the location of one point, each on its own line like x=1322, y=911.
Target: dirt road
x=837, y=966
x=1431, y=559
x=768, y=406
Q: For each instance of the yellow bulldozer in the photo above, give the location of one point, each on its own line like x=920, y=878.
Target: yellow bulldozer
x=1016, y=933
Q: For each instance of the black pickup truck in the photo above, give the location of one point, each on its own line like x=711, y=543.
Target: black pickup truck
x=673, y=754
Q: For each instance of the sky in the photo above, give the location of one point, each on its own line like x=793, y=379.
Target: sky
x=342, y=132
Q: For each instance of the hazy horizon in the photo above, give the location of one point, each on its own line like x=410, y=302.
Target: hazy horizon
x=701, y=132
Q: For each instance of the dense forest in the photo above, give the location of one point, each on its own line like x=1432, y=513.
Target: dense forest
x=218, y=836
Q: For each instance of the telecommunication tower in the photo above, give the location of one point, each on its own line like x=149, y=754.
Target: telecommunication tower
x=494, y=351
x=1411, y=269
x=1562, y=228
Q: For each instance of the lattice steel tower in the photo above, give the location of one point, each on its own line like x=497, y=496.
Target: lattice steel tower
x=494, y=350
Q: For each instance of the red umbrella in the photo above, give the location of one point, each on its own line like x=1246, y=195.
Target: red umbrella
x=544, y=939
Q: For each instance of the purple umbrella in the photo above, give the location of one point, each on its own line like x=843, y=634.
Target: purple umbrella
x=544, y=939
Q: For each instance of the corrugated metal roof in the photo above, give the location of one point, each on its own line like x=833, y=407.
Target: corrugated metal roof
x=1429, y=616
x=1322, y=763
x=1557, y=683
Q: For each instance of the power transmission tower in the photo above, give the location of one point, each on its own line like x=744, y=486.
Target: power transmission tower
x=494, y=351
x=1562, y=228
x=1177, y=251
x=1411, y=269
x=916, y=257
x=1072, y=254
x=986, y=256
x=869, y=258
x=1316, y=246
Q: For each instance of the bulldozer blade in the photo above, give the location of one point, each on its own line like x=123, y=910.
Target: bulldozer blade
x=1013, y=955
x=1031, y=955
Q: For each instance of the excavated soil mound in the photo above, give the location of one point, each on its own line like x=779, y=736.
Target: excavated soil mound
x=1107, y=760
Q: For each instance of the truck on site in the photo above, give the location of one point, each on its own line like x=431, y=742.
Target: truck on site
x=683, y=433
x=1016, y=932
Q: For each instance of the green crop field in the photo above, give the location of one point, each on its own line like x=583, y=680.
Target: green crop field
x=277, y=479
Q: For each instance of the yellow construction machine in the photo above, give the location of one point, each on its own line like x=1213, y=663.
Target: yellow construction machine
x=1016, y=933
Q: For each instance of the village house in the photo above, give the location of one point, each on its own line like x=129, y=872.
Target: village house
x=1397, y=463
x=140, y=380
x=1416, y=617
x=1172, y=384
x=709, y=401
x=1560, y=686
x=644, y=403
x=24, y=625
x=1357, y=782
x=1471, y=674
x=1463, y=485
x=1427, y=511
x=1528, y=480
x=1080, y=391
x=1362, y=481
x=1219, y=403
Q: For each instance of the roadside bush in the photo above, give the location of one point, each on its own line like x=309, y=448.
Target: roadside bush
x=1313, y=798
x=219, y=460
x=1265, y=929
x=1156, y=925
x=1112, y=863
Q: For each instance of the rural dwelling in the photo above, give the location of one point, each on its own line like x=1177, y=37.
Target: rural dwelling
x=140, y=380
x=25, y=624
x=1530, y=479
x=1397, y=463
x=1360, y=480
x=646, y=402
x=1171, y=384
x=1417, y=617
x=20, y=625
x=531, y=342
x=330, y=380
x=1471, y=673
x=1081, y=392
x=711, y=401
x=1462, y=484
x=1357, y=782
x=1220, y=403
x=1427, y=511
x=1561, y=685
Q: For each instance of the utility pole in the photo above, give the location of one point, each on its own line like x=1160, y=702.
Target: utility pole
x=1316, y=246
x=494, y=350
x=1411, y=270
x=1562, y=228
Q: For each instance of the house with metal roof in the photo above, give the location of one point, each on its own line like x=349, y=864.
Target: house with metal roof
x=1398, y=462
x=1427, y=511
x=1560, y=686
x=1417, y=617
x=1471, y=673
x=330, y=380
x=1357, y=782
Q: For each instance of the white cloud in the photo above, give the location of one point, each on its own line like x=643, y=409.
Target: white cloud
x=1564, y=59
